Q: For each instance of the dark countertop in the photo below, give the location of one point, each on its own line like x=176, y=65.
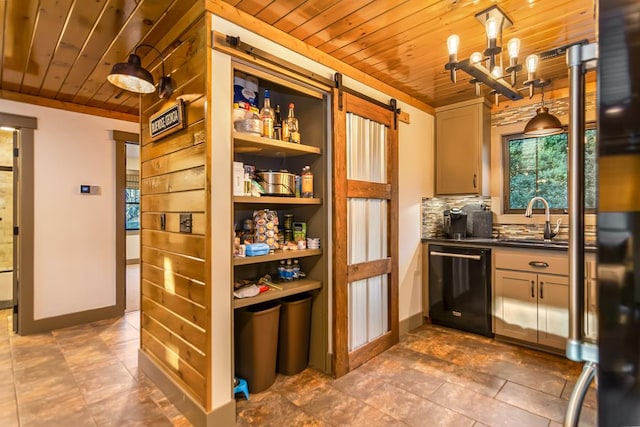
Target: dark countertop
x=554, y=245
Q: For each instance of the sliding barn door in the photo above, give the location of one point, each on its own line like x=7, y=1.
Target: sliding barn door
x=365, y=232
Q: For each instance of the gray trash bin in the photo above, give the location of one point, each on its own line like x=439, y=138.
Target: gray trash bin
x=293, y=341
x=256, y=337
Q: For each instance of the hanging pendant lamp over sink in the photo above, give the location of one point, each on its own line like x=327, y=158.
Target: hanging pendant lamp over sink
x=543, y=123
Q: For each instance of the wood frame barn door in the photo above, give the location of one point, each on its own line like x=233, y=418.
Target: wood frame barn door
x=365, y=231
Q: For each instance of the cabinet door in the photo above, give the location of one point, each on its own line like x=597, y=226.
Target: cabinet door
x=458, y=148
x=553, y=310
x=515, y=305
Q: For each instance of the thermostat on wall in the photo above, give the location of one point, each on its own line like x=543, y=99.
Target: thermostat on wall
x=89, y=189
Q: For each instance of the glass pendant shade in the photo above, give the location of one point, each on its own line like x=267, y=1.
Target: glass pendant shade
x=131, y=76
x=492, y=28
x=543, y=124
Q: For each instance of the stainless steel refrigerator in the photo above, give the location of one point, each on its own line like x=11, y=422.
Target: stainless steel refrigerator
x=619, y=213
x=615, y=358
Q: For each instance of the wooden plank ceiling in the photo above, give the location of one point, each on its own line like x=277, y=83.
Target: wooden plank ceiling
x=62, y=50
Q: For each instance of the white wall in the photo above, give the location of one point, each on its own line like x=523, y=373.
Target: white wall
x=133, y=245
x=6, y=286
x=416, y=150
x=74, y=247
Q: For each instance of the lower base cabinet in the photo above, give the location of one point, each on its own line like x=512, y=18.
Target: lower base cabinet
x=529, y=305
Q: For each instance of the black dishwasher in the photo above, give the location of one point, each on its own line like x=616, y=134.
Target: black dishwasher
x=460, y=288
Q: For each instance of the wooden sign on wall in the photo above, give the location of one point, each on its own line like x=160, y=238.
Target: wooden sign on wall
x=167, y=121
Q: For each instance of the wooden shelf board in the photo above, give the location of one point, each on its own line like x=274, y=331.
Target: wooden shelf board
x=246, y=143
x=275, y=200
x=288, y=288
x=277, y=256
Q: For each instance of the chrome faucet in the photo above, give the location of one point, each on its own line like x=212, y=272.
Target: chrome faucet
x=548, y=234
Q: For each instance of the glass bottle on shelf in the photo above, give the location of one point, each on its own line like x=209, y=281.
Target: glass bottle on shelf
x=307, y=182
x=267, y=116
x=277, y=123
x=247, y=184
x=292, y=125
x=285, y=130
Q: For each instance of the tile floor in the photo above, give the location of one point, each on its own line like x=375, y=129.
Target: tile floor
x=88, y=376
x=433, y=377
x=81, y=376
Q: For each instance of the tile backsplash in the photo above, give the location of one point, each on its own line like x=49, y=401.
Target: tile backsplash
x=432, y=209
x=432, y=220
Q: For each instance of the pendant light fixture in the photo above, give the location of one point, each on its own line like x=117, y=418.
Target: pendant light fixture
x=133, y=77
x=543, y=123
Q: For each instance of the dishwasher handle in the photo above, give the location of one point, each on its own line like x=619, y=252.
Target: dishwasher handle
x=454, y=255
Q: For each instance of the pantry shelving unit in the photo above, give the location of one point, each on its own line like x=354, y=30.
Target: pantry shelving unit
x=267, y=200
x=277, y=256
x=312, y=110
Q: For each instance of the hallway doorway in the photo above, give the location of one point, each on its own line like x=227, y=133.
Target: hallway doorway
x=128, y=218
x=7, y=142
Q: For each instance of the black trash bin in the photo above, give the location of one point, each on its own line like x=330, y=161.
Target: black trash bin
x=256, y=337
x=293, y=341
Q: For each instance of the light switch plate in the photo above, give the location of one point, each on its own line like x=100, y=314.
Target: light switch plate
x=185, y=223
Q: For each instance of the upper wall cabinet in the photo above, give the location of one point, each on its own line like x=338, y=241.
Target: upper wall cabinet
x=463, y=143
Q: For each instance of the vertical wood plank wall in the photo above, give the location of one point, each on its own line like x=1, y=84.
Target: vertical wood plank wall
x=175, y=273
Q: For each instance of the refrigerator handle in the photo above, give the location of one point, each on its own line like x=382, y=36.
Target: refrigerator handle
x=580, y=58
x=572, y=416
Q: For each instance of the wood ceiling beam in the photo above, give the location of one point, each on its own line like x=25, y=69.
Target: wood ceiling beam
x=68, y=106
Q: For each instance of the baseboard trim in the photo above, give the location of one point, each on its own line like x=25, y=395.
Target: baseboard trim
x=225, y=415
x=411, y=322
x=6, y=303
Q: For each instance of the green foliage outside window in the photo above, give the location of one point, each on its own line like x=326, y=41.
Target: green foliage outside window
x=132, y=209
x=538, y=167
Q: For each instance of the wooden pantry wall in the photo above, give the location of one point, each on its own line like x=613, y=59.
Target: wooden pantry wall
x=175, y=189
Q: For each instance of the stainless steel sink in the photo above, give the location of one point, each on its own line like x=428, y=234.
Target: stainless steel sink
x=534, y=242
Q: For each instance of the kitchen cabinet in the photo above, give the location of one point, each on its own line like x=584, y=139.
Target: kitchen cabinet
x=531, y=297
x=312, y=111
x=463, y=143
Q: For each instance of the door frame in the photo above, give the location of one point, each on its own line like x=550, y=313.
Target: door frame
x=343, y=189
x=121, y=138
x=23, y=206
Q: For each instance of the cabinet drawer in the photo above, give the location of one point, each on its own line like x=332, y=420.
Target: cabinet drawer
x=534, y=261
